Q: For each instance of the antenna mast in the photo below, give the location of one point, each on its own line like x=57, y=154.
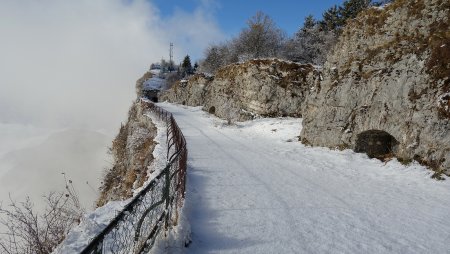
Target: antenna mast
x=171, y=57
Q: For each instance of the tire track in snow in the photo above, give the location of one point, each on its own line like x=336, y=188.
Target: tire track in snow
x=341, y=216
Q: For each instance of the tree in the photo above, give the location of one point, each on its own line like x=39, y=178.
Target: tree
x=217, y=56
x=331, y=20
x=351, y=8
x=310, y=44
x=195, y=67
x=164, y=66
x=309, y=23
x=186, y=66
x=262, y=38
x=27, y=232
x=335, y=18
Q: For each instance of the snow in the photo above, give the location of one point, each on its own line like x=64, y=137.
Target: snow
x=381, y=7
x=443, y=100
x=154, y=83
x=91, y=225
x=176, y=238
x=155, y=71
x=253, y=188
x=94, y=222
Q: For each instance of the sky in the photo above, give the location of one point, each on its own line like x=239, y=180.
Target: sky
x=67, y=79
x=231, y=15
x=74, y=54
x=68, y=71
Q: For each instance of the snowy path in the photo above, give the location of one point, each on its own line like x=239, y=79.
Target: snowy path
x=251, y=191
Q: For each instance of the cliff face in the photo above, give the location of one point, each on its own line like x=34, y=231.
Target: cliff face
x=389, y=72
x=266, y=87
x=190, y=92
x=132, y=152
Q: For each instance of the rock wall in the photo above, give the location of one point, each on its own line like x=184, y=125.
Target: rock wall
x=132, y=151
x=265, y=87
x=191, y=92
x=388, y=72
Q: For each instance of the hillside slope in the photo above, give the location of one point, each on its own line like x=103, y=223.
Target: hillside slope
x=132, y=152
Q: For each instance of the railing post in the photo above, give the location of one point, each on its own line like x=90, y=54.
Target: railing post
x=167, y=197
x=172, y=177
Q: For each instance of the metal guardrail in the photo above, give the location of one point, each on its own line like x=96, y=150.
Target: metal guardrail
x=135, y=228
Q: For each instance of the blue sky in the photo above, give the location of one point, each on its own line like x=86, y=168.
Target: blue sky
x=231, y=15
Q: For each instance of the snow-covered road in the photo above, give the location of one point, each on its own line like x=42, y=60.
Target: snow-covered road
x=252, y=188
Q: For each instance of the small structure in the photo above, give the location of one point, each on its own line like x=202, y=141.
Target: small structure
x=151, y=94
x=376, y=144
x=153, y=86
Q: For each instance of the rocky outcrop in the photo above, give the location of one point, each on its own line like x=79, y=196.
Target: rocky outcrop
x=191, y=92
x=140, y=83
x=265, y=87
x=388, y=74
x=132, y=151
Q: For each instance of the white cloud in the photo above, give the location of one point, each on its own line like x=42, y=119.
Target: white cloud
x=75, y=62
x=72, y=65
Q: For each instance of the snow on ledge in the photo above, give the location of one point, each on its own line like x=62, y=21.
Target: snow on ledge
x=94, y=222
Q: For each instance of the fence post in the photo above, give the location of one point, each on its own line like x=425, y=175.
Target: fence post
x=176, y=165
x=167, y=196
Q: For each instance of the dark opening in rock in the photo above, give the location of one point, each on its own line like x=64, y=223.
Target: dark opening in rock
x=151, y=95
x=376, y=144
x=184, y=103
x=212, y=110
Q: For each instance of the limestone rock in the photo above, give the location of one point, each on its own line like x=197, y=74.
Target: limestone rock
x=132, y=151
x=265, y=87
x=389, y=72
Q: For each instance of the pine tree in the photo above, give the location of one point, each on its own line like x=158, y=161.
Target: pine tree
x=309, y=23
x=351, y=8
x=195, y=67
x=310, y=44
x=331, y=20
x=186, y=66
x=164, y=66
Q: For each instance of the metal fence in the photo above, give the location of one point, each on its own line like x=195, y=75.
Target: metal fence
x=155, y=208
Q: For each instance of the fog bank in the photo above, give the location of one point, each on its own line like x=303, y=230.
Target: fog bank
x=72, y=65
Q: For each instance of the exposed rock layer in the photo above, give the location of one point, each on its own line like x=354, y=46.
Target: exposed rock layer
x=266, y=87
x=132, y=151
x=390, y=72
x=388, y=76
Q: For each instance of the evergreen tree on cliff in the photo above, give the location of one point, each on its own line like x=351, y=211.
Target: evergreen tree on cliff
x=186, y=66
x=310, y=44
x=331, y=20
x=351, y=8
x=334, y=18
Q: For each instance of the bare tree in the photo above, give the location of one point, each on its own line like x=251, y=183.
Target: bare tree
x=262, y=38
x=217, y=56
x=26, y=231
x=310, y=44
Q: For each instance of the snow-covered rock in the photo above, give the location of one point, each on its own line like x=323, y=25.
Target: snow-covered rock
x=132, y=151
x=390, y=72
x=266, y=87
